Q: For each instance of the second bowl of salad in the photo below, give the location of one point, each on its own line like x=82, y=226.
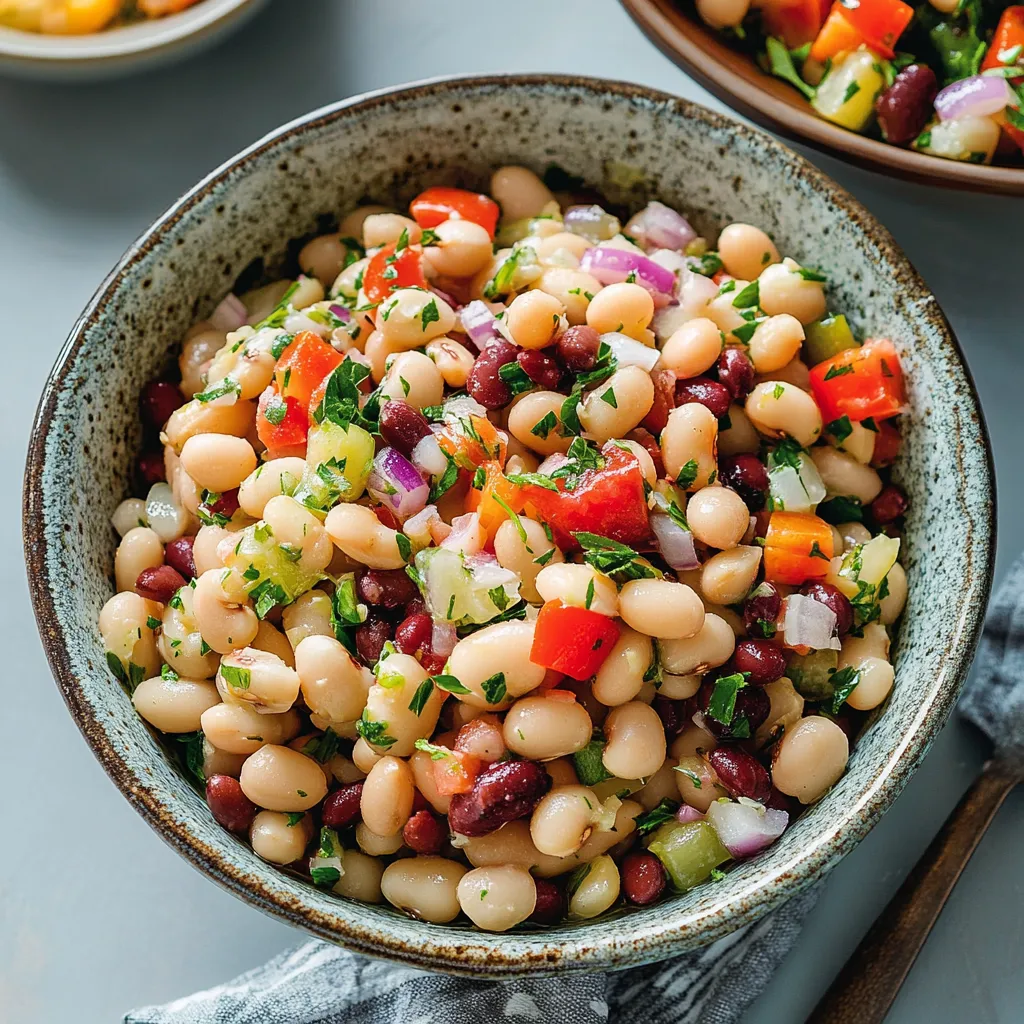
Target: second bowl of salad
x=928, y=90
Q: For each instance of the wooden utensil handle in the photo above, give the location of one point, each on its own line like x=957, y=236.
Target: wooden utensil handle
x=866, y=987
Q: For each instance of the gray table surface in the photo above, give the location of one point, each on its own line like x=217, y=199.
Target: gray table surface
x=96, y=913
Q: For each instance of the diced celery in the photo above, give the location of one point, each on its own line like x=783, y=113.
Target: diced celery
x=795, y=489
x=811, y=674
x=826, y=338
x=338, y=464
x=689, y=852
x=971, y=139
x=862, y=572
x=464, y=591
x=272, y=574
x=847, y=95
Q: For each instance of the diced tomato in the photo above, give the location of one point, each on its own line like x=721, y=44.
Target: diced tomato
x=879, y=23
x=798, y=547
x=303, y=365
x=281, y=430
x=1008, y=34
x=387, y=271
x=837, y=36
x=488, y=500
x=860, y=382
x=795, y=22
x=320, y=390
x=455, y=772
x=609, y=501
x=472, y=441
x=572, y=640
x=439, y=204
x=887, y=445
x=664, y=382
x=720, y=277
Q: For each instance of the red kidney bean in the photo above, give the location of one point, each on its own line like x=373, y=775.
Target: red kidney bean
x=151, y=468
x=835, y=600
x=415, y=606
x=550, y=906
x=229, y=806
x=741, y=773
x=905, y=107
x=388, y=588
x=413, y=633
x=713, y=396
x=483, y=382
x=649, y=442
x=761, y=609
x=736, y=373
x=178, y=555
x=752, y=707
x=664, y=382
x=158, y=400
x=503, y=792
x=419, y=802
x=159, y=584
x=371, y=637
x=778, y=801
x=424, y=833
x=890, y=504
x=747, y=475
x=672, y=714
x=541, y=369
x=643, y=878
x=578, y=346
x=402, y=426
x=341, y=808
x=226, y=504
x=764, y=660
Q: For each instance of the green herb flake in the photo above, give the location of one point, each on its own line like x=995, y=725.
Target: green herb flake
x=650, y=820
x=449, y=684
x=748, y=297
x=851, y=90
x=375, y=733
x=687, y=475
x=404, y=546
x=722, y=706
x=237, y=678
x=839, y=371
x=494, y=688
x=778, y=391
x=589, y=600
x=421, y=696
x=323, y=748
x=843, y=682
x=609, y=397
x=545, y=425
x=781, y=64
x=839, y=429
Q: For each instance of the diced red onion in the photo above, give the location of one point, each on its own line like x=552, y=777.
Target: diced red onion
x=686, y=814
x=977, y=96
x=230, y=313
x=467, y=535
x=630, y=352
x=419, y=527
x=658, y=226
x=443, y=638
x=610, y=265
x=746, y=828
x=397, y=483
x=809, y=623
x=343, y=313
x=675, y=544
x=591, y=222
x=427, y=456
x=479, y=324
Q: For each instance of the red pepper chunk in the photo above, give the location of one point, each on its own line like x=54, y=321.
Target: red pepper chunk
x=572, y=640
x=860, y=383
x=388, y=271
x=795, y=22
x=281, y=423
x=609, y=501
x=303, y=366
x=439, y=204
x=879, y=23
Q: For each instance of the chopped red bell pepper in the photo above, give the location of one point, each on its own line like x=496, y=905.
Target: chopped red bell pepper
x=303, y=366
x=1009, y=33
x=572, y=640
x=280, y=422
x=609, y=501
x=798, y=547
x=795, y=22
x=455, y=771
x=439, y=204
x=388, y=270
x=860, y=383
x=836, y=36
x=879, y=23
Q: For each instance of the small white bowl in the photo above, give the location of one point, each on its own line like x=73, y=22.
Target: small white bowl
x=124, y=49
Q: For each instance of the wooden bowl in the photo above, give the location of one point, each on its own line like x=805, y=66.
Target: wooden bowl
x=737, y=80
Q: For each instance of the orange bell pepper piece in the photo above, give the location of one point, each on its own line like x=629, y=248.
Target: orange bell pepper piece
x=798, y=547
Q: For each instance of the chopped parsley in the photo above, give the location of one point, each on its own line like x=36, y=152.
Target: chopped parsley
x=494, y=688
x=609, y=397
x=748, y=297
x=375, y=733
x=650, y=820
x=516, y=378
x=840, y=429
x=545, y=425
x=619, y=561
x=236, y=677
x=686, y=476
x=843, y=682
x=323, y=748
x=429, y=315
x=722, y=706
x=421, y=696
x=840, y=371
x=227, y=386
x=449, y=684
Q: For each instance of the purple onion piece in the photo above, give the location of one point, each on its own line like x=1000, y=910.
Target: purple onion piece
x=977, y=96
x=397, y=484
x=675, y=544
x=343, y=313
x=479, y=324
x=230, y=313
x=611, y=265
x=658, y=226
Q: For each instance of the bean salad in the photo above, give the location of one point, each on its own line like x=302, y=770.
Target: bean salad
x=83, y=17
x=943, y=77
x=515, y=559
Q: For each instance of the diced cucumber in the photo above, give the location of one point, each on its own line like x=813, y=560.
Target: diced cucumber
x=826, y=338
x=338, y=464
x=689, y=852
x=464, y=591
x=811, y=674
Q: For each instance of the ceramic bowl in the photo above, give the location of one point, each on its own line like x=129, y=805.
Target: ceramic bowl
x=630, y=143
x=737, y=80
x=123, y=49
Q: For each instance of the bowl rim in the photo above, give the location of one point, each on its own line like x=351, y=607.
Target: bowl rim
x=468, y=952
x=118, y=43
x=672, y=30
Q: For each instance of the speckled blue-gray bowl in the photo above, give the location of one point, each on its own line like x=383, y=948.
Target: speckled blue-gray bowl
x=385, y=147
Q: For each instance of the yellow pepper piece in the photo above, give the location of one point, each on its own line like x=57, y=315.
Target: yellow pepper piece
x=78, y=17
x=847, y=95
